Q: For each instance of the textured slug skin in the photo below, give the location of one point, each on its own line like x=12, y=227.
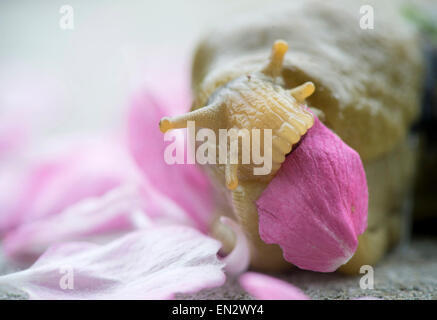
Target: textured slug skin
x=256, y=100
x=368, y=81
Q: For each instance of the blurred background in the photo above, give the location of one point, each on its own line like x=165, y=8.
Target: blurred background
x=87, y=73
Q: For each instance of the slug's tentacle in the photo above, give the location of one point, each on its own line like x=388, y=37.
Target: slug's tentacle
x=206, y=117
x=255, y=101
x=274, y=68
x=231, y=176
x=303, y=91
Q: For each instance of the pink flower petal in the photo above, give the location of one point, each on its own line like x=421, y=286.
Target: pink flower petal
x=51, y=183
x=91, y=217
x=183, y=183
x=316, y=206
x=238, y=260
x=122, y=209
x=155, y=263
x=264, y=287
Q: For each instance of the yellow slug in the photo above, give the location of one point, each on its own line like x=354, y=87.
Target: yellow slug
x=256, y=100
x=368, y=88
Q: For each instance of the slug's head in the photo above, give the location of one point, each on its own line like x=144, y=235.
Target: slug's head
x=255, y=101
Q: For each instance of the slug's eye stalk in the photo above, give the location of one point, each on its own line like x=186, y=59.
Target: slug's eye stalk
x=231, y=176
x=254, y=101
x=274, y=68
x=205, y=117
x=303, y=91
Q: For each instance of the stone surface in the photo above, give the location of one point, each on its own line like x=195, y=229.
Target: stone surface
x=407, y=273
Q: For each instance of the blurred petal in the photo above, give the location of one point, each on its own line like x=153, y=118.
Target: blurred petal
x=26, y=118
x=264, y=287
x=185, y=184
x=13, y=135
x=316, y=206
x=47, y=184
x=88, y=218
x=122, y=209
x=154, y=263
x=238, y=260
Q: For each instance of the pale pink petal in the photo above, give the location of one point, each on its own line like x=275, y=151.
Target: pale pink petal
x=122, y=209
x=264, y=287
x=160, y=207
x=47, y=184
x=158, y=69
x=185, y=184
x=238, y=260
x=91, y=217
x=155, y=263
x=316, y=206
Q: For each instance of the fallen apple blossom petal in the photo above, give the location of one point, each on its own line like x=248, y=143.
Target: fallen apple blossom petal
x=238, y=260
x=264, y=287
x=316, y=206
x=91, y=217
x=50, y=183
x=122, y=209
x=154, y=263
x=185, y=184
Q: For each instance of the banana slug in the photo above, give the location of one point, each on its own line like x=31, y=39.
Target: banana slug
x=256, y=100
x=368, y=87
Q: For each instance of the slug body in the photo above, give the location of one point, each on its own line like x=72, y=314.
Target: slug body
x=241, y=82
x=255, y=100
